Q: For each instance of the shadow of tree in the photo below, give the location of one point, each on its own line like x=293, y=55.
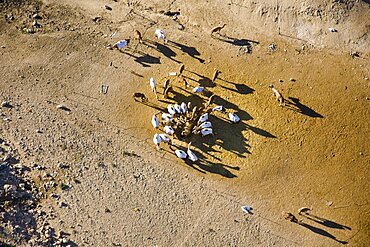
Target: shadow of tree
x=191, y=51
x=297, y=106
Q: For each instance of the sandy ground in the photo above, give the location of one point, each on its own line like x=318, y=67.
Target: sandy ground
x=118, y=190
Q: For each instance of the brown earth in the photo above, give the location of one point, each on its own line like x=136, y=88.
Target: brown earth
x=314, y=152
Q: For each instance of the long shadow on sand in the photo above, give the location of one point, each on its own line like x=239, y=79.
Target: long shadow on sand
x=191, y=51
x=295, y=105
x=143, y=59
x=207, y=82
x=325, y=222
x=165, y=50
x=321, y=232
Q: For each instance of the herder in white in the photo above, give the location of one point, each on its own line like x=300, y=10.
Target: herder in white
x=161, y=35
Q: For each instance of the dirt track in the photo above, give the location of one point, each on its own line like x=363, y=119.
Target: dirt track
x=121, y=190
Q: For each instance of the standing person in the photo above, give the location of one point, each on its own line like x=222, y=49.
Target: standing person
x=161, y=35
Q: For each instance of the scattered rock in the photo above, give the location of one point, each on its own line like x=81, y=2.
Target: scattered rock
x=280, y=80
x=333, y=30
x=63, y=166
x=272, y=47
x=37, y=16
x=107, y=7
x=36, y=24
x=96, y=19
x=292, y=79
x=9, y=188
x=63, y=205
x=354, y=54
x=6, y=104
x=63, y=107
x=29, y=30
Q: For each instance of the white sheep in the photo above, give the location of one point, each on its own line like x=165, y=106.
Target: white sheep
x=171, y=110
x=198, y=89
x=157, y=140
x=177, y=108
x=206, y=131
x=206, y=124
x=234, y=118
x=155, y=121
x=191, y=155
x=203, y=118
x=218, y=108
x=181, y=154
x=184, y=108
x=167, y=117
x=169, y=130
x=153, y=86
x=165, y=138
x=160, y=35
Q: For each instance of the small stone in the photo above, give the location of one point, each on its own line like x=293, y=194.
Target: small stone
x=63, y=166
x=39, y=131
x=292, y=79
x=54, y=196
x=63, y=107
x=366, y=78
x=9, y=188
x=107, y=7
x=37, y=16
x=6, y=104
x=63, y=205
x=36, y=24
x=280, y=80
x=361, y=153
x=329, y=203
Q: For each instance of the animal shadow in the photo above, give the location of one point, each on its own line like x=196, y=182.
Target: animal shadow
x=238, y=42
x=145, y=59
x=321, y=232
x=202, y=165
x=239, y=88
x=303, y=109
x=325, y=222
x=260, y=131
x=191, y=51
x=165, y=50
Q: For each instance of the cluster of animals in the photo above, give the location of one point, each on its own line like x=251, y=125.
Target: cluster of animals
x=182, y=120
